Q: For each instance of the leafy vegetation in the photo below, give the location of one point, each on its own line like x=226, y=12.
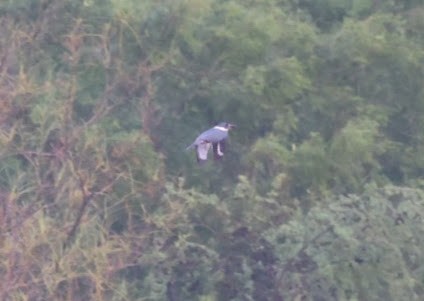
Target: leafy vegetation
x=319, y=197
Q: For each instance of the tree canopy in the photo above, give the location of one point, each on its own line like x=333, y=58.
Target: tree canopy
x=319, y=197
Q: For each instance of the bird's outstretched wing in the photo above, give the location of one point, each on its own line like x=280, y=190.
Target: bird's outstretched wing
x=202, y=150
x=219, y=149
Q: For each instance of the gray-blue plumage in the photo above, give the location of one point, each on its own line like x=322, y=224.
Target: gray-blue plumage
x=214, y=137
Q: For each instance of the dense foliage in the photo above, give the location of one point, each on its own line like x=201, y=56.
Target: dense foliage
x=320, y=196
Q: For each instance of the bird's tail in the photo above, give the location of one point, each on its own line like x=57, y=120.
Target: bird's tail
x=190, y=146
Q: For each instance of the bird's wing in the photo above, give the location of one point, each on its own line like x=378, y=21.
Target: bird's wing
x=213, y=135
x=202, y=150
x=219, y=149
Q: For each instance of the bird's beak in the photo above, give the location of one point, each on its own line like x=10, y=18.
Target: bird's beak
x=232, y=125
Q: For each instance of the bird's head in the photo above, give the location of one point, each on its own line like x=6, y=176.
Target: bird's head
x=226, y=125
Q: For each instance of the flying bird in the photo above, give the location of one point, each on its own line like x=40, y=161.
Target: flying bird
x=215, y=138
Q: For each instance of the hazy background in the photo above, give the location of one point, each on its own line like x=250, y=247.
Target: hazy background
x=319, y=196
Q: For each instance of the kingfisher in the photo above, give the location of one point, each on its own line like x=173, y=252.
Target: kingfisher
x=215, y=138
